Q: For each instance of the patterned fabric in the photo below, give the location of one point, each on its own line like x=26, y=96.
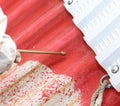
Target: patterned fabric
x=34, y=84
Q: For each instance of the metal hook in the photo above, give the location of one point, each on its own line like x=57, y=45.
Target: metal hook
x=103, y=78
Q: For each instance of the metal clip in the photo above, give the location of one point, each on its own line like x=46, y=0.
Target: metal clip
x=103, y=78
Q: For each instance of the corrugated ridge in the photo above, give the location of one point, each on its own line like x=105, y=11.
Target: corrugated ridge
x=46, y=25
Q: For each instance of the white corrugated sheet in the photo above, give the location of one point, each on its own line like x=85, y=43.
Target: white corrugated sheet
x=100, y=23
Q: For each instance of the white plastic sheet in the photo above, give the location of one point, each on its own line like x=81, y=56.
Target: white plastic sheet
x=99, y=20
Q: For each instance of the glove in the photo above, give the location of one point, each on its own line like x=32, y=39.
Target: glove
x=3, y=23
x=8, y=52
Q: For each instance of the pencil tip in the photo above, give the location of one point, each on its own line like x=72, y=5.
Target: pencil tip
x=63, y=53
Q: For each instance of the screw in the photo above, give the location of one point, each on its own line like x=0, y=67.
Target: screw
x=115, y=69
x=70, y=2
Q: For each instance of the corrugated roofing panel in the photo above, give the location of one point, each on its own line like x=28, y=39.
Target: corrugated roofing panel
x=46, y=25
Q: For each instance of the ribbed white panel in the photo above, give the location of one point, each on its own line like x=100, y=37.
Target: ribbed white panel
x=99, y=20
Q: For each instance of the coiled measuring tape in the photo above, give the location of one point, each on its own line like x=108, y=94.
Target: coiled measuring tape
x=99, y=20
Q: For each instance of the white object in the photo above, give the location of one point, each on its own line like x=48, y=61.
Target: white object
x=7, y=46
x=3, y=23
x=99, y=20
x=7, y=53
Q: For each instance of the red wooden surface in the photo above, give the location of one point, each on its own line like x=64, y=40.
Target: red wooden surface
x=46, y=25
